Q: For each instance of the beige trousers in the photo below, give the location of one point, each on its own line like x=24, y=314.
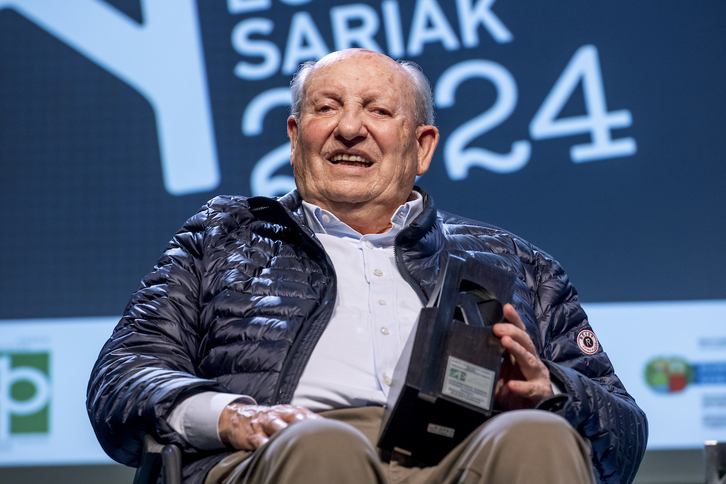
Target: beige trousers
x=522, y=446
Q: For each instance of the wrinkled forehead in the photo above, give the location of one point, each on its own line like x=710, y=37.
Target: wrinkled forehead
x=359, y=60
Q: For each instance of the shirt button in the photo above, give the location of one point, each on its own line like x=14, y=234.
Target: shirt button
x=326, y=218
x=387, y=380
x=369, y=244
x=382, y=302
x=378, y=272
x=385, y=331
x=400, y=214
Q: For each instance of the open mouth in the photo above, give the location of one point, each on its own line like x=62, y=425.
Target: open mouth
x=350, y=160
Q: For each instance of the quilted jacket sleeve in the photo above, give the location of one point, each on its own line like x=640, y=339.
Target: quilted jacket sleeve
x=148, y=364
x=601, y=410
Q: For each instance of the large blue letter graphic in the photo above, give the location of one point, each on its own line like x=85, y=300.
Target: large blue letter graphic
x=162, y=59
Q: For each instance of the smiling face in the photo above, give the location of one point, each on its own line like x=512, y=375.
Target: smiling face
x=355, y=146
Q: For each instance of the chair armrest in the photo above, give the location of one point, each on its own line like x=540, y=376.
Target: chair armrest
x=158, y=460
x=715, y=462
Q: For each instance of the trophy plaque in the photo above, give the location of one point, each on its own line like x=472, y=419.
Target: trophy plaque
x=443, y=385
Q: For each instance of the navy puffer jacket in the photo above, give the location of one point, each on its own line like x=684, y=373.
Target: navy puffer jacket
x=244, y=291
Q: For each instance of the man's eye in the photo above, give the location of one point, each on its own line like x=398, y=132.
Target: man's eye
x=382, y=112
x=324, y=109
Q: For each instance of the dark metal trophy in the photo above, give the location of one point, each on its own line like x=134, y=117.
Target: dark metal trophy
x=444, y=382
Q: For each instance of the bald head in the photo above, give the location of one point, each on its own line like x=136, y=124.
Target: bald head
x=422, y=104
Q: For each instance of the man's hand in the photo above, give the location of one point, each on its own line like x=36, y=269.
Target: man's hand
x=247, y=427
x=524, y=380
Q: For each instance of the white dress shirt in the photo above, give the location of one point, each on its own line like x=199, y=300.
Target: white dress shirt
x=352, y=364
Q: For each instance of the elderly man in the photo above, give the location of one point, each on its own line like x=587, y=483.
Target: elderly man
x=265, y=339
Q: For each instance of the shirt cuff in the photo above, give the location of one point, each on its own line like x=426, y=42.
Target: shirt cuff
x=196, y=418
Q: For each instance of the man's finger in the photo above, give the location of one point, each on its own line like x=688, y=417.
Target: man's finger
x=512, y=316
x=272, y=425
x=529, y=389
x=518, y=335
x=257, y=440
x=294, y=413
x=529, y=364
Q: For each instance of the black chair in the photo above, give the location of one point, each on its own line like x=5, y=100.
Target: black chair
x=715, y=462
x=159, y=463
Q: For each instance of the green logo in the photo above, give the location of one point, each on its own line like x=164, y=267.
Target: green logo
x=457, y=374
x=24, y=393
x=669, y=375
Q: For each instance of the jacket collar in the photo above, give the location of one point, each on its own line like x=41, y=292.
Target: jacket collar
x=418, y=247
x=292, y=202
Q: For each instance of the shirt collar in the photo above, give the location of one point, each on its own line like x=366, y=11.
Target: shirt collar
x=322, y=221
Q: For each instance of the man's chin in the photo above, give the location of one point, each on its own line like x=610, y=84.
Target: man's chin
x=349, y=199
x=345, y=196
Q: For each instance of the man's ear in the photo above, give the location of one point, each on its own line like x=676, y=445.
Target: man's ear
x=427, y=137
x=292, y=131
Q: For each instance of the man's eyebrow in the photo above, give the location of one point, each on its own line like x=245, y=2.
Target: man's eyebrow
x=371, y=96
x=323, y=94
x=367, y=97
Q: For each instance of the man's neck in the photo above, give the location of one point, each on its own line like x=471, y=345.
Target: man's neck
x=364, y=218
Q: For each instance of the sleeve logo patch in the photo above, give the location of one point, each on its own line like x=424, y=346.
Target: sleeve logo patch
x=587, y=341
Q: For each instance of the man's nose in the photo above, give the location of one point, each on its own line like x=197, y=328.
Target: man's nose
x=350, y=126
